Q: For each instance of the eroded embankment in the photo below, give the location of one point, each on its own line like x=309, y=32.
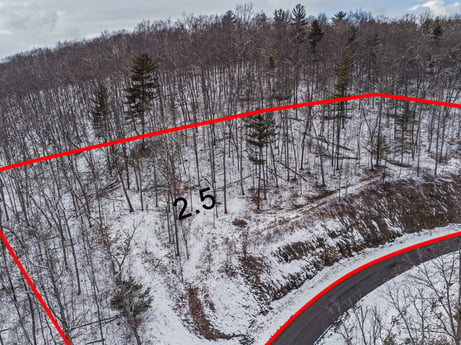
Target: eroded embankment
x=282, y=254
x=365, y=219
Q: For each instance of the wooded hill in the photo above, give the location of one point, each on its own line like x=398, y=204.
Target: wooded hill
x=97, y=226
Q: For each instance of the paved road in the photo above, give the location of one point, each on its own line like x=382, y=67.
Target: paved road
x=313, y=322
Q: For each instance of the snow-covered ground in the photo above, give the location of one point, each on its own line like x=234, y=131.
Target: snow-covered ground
x=211, y=247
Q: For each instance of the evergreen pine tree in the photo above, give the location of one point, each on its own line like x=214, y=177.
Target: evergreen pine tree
x=229, y=18
x=131, y=301
x=437, y=30
x=432, y=28
x=281, y=17
x=403, y=123
x=260, y=18
x=381, y=148
x=261, y=133
x=142, y=90
x=339, y=17
x=299, y=22
x=100, y=111
x=343, y=80
x=315, y=35
x=343, y=70
x=389, y=340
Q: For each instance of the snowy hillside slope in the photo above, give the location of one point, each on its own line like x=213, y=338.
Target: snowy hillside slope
x=273, y=199
x=231, y=267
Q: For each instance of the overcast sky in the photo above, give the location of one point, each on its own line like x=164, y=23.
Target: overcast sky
x=25, y=25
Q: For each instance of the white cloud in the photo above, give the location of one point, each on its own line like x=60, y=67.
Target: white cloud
x=437, y=7
x=26, y=16
x=91, y=35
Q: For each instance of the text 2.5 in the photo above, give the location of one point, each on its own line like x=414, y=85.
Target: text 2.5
x=208, y=200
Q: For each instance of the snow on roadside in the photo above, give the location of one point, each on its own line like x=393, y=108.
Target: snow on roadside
x=287, y=306
x=401, y=287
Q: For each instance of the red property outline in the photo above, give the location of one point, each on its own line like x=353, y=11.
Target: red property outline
x=226, y=118
x=204, y=123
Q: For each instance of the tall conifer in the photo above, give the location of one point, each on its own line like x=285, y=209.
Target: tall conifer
x=261, y=133
x=142, y=90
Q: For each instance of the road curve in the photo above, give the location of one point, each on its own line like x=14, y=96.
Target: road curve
x=319, y=314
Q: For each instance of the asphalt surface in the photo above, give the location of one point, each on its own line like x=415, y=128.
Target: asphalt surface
x=314, y=321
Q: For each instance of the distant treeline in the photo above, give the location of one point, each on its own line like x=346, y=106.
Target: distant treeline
x=389, y=55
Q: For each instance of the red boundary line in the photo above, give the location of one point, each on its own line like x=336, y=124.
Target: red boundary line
x=223, y=119
x=355, y=271
x=199, y=124
x=34, y=289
